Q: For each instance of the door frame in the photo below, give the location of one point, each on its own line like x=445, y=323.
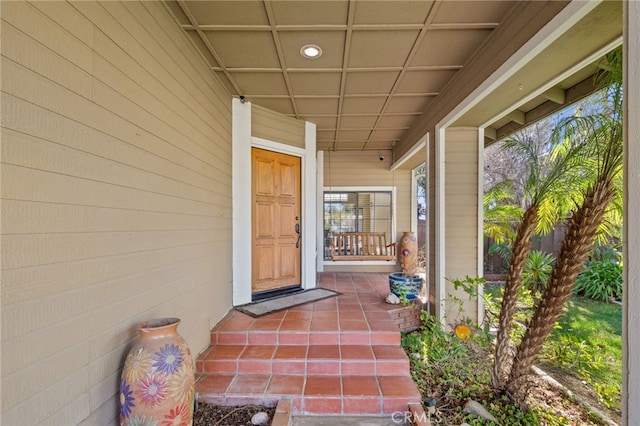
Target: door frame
x=242, y=142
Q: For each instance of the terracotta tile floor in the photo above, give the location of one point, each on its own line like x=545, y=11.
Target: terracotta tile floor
x=337, y=356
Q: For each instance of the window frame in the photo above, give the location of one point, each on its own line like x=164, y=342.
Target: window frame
x=390, y=238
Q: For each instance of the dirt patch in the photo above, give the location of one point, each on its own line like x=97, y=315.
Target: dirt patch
x=582, y=391
x=216, y=415
x=557, y=401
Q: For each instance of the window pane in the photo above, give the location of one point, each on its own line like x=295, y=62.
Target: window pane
x=356, y=212
x=383, y=199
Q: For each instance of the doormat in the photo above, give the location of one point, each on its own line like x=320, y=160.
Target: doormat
x=264, y=307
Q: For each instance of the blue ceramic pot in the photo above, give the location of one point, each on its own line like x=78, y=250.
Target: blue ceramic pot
x=401, y=283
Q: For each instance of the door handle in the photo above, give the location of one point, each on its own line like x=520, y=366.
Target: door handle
x=299, y=235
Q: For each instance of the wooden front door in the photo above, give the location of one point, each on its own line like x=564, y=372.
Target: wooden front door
x=276, y=220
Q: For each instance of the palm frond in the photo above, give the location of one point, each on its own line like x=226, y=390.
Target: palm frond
x=547, y=216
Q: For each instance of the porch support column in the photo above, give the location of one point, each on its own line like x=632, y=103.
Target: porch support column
x=631, y=236
x=241, y=169
x=460, y=223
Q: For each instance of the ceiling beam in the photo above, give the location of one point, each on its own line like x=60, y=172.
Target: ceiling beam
x=517, y=116
x=573, y=94
x=405, y=68
x=345, y=64
x=341, y=27
x=490, y=132
x=209, y=46
x=279, y=51
x=518, y=29
x=555, y=94
x=339, y=70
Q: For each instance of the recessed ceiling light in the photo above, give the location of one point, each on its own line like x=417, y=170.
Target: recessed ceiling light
x=311, y=51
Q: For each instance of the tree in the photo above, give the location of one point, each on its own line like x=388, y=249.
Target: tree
x=543, y=197
x=598, y=140
x=501, y=216
x=420, y=174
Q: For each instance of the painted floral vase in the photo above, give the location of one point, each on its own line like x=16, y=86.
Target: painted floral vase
x=158, y=384
x=408, y=253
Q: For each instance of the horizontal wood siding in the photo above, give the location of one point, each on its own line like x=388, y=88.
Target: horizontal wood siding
x=364, y=168
x=116, y=194
x=276, y=127
x=461, y=214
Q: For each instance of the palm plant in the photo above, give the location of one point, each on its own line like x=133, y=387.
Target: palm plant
x=537, y=271
x=598, y=140
x=546, y=181
x=500, y=214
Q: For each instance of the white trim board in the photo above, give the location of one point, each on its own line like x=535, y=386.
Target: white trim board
x=241, y=150
x=321, y=260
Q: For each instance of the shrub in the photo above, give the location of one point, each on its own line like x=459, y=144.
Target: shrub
x=537, y=270
x=504, y=251
x=600, y=280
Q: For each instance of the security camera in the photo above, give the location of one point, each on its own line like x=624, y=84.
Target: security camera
x=382, y=158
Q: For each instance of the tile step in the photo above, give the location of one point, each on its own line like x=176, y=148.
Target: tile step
x=390, y=337
x=312, y=394
x=356, y=360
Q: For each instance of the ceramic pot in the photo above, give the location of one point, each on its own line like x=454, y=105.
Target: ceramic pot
x=408, y=253
x=157, y=383
x=402, y=284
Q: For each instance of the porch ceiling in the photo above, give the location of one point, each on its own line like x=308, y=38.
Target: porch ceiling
x=383, y=62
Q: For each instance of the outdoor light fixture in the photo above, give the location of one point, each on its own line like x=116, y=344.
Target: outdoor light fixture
x=311, y=51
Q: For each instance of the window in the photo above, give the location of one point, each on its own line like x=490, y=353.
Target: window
x=357, y=211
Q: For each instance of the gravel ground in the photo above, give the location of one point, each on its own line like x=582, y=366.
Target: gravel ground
x=215, y=415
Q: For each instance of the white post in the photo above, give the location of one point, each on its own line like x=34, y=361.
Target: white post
x=241, y=170
x=440, y=246
x=631, y=236
x=309, y=211
x=320, y=211
x=480, y=223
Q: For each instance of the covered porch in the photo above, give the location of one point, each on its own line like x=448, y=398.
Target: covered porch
x=338, y=356
x=121, y=160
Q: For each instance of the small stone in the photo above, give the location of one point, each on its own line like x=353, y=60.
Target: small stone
x=416, y=355
x=465, y=424
x=260, y=418
x=392, y=299
x=474, y=407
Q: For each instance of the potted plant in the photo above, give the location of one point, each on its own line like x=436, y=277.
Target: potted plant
x=407, y=283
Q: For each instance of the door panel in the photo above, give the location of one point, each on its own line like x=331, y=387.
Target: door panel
x=289, y=180
x=263, y=170
x=264, y=219
x=287, y=217
x=276, y=253
x=288, y=266
x=266, y=265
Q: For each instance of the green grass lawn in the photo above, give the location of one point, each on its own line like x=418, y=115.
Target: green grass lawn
x=586, y=343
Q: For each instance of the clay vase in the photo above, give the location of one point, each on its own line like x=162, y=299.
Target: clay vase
x=158, y=383
x=408, y=253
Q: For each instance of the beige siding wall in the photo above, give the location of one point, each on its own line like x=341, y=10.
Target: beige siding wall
x=276, y=127
x=364, y=168
x=461, y=214
x=116, y=195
